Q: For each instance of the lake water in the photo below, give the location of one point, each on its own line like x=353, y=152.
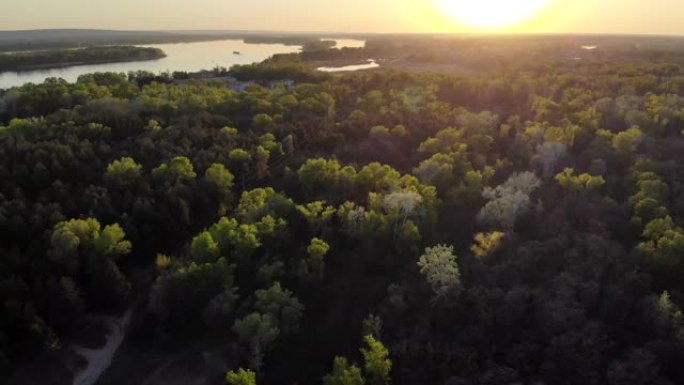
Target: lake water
x=350, y=43
x=354, y=67
x=189, y=57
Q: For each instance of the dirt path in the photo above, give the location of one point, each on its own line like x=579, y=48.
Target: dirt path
x=150, y=380
x=100, y=359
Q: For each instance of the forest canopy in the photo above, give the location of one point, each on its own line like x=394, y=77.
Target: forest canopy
x=523, y=225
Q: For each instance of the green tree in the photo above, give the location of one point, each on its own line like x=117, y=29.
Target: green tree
x=580, y=183
x=262, y=121
x=648, y=201
x=626, y=142
x=409, y=237
x=241, y=377
x=123, y=172
x=314, y=265
x=486, y=243
x=89, y=253
x=669, y=315
x=269, y=143
x=260, y=202
x=344, y=374
x=664, y=245
x=220, y=177
x=318, y=175
x=153, y=125
x=262, y=157
x=83, y=240
x=204, y=248
x=180, y=168
x=271, y=230
x=288, y=145
x=230, y=132
x=379, y=132
x=259, y=327
x=179, y=296
x=317, y=214
x=399, y=130
x=280, y=304
x=235, y=239
x=260, y=331
x=447, y=141
x=220, y=180
x=377, y=177
x=239, y=155
x=376, y=361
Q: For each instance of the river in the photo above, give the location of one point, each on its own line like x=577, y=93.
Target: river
x=190, y=57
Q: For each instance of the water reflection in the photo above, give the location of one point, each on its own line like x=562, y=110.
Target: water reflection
x=356, y=67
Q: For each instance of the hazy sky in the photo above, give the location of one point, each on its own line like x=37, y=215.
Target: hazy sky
x=581, y=16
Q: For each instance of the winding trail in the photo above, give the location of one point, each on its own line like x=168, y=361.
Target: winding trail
x=100, y=359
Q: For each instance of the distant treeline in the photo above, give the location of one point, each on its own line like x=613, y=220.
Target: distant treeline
x=286, y=40
x=61, y=39
x=74, y=38
x=57, y=58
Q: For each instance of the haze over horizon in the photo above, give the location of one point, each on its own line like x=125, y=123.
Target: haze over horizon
x=662, y=17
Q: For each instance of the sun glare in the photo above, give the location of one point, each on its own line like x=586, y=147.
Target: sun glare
x=491, y=14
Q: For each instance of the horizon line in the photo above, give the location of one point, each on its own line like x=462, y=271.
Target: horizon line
x=396, y=33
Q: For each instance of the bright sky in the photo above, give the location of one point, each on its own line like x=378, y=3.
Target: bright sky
x=559, y=16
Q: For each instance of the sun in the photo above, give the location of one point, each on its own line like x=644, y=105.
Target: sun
x=491, y=14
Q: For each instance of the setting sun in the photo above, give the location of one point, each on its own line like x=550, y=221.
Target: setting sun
x=491, y=14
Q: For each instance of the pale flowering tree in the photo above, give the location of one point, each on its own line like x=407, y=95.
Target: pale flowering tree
x=439, y=266
x=357, y=216
x=435, y=170
x=549, y=155
x=404, y=203
x=505, y=210
x=508, y=201
x=525, y=182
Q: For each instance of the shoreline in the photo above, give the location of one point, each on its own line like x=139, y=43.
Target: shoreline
x=339, y=62
x=44, y=60
x=35, y=67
